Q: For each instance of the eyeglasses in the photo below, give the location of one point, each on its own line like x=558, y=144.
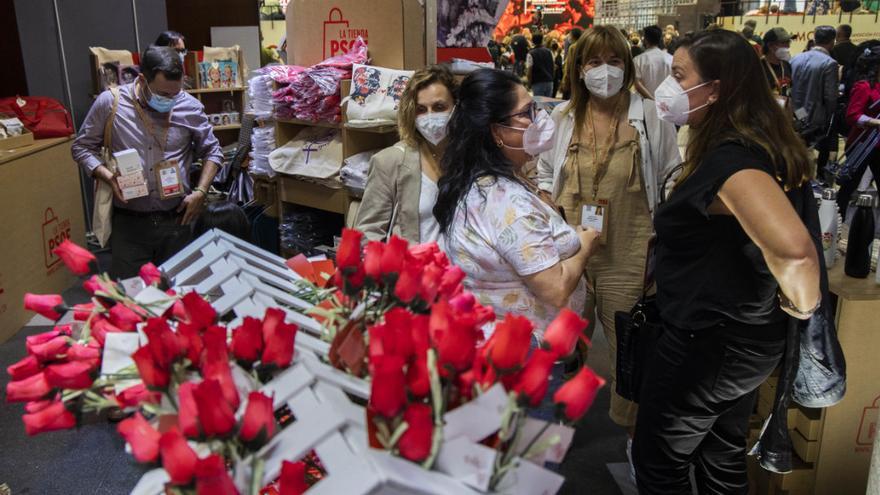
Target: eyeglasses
x=531, y=112
x=181, y=51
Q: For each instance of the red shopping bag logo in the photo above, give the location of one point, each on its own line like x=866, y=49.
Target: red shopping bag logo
x=868, y=426
x=335, y=35
x=54, y=233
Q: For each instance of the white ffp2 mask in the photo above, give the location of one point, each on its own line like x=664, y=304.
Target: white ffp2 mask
x=604, y=81
x=672, y=101
x=432, y=126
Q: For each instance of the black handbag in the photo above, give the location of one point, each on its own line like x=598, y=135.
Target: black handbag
x=638, y=329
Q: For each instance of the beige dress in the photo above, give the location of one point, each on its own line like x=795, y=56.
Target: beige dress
x=616, y=270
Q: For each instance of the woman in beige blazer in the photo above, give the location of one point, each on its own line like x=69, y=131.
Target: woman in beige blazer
x=402, y=182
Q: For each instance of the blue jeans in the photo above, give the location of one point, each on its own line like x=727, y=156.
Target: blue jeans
x=543, y=89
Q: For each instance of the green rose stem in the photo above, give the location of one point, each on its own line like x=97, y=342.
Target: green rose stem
x=437, y=402
x=257, y=467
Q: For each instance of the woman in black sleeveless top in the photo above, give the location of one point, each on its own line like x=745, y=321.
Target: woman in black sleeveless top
x=732, y=258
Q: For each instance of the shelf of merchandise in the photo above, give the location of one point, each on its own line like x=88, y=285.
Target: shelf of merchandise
x=216, y=90
x=227, y=127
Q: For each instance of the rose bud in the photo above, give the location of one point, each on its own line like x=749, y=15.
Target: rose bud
x=387, y=390
x=577, y=395
x=348, y=254
x=247, y=340
x=74, y=375
x=150, y=274
x=124, y=317
x=534, y=380
x=563, y=332
x=215, y=414
x=393, y=256
x=143, y=438
x=509, y=344
x=278, y=339
x=187, y=412
x=258, y=422
x=34, y=387
x=50, y=418
x=199, y=312
x=293, y=478
x=415, y=443
x=49, y=305
x=137, y=395
x=51, y=350
x=178, y=459
x=79, y=260
x=27, y=366
x=153, y=375
x=372, y=260
x=212, y=477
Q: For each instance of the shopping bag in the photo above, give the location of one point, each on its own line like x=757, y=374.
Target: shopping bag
x=45, y=117
x=335, y=39
x=375, y=94
x=102, y=214
x=315, y=153
x=54, y=233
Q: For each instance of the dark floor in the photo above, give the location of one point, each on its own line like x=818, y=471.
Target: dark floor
x=92, y=460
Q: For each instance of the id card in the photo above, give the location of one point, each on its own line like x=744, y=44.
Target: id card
x=595, y=215
x=168, y=179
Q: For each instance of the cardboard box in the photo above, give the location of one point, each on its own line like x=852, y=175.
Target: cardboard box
x=393, y=29
x=39, y=208
x=808, y=451
x=809, y=423
x=135, y=192
x=128, y=162
x=26, y=138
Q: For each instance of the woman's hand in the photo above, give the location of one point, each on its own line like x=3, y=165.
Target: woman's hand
x=589, y=238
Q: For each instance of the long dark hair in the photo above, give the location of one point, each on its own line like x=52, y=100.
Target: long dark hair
x=485, y=97
x=868, y=65
x=745, y=111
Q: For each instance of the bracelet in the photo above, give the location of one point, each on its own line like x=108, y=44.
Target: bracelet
x=199, y=189
x=786, y=303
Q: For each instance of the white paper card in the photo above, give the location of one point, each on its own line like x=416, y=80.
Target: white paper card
x=529, y=479
x=118, y=348
x=156, y=301
x=468, y=462
x=479, y=418
x=554, y=453
x=133, y=286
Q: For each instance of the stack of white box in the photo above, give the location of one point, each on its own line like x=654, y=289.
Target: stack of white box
x=131, y=175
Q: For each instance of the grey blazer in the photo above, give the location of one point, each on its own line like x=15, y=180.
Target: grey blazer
x=814, y=87
x=391, y=198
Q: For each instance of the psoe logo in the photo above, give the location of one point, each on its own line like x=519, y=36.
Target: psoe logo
x=55, y=231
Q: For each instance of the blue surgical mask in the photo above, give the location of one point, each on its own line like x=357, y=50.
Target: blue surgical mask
x=161, y=104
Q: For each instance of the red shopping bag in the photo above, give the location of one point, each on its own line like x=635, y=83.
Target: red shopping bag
x=45, y=117
x=335, y=40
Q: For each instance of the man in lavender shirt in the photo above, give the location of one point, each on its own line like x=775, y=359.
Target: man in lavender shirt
x=161, y=123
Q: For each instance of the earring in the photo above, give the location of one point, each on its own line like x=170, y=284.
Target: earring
x=500, y=144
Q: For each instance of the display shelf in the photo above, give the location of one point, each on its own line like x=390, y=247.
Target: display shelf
x=309, y=123
x=381, y=129
x=227, y=127
x=216, y=90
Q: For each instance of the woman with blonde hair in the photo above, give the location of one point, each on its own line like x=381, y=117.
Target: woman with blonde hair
x=402, y=182
x=610, y=155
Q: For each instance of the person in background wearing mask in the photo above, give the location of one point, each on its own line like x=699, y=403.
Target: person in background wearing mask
x=168, y=129
x=652, y=66
x=402, y=182
x=172, y=39
x=844, y=51
x=517, y=252
x=814, y=90
x=733, y=262
x=777, y=69
x=610, y=155
x=539, y=68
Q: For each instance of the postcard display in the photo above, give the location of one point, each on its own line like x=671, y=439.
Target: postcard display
x=241, y=280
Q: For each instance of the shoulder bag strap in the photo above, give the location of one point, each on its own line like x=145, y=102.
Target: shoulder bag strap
x=108, y=126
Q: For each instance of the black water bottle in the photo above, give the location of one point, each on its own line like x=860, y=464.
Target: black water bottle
x=861, y=237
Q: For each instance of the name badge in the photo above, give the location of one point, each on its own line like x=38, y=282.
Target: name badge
x=595, y=215
x=168, y=179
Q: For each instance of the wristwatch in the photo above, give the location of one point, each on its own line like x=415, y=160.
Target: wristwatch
x=199, y=189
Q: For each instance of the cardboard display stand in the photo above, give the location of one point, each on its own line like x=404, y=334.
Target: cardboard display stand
x=393, y=29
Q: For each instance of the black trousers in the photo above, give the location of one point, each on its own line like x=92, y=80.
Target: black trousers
x=844, y=195
x=695, y=405
x=137, y=239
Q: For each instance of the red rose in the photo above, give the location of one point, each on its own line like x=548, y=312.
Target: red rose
x=534, y=380
x=150, y=274
x=50, y=350
x=212, y=477
x=393, y=255
x=28, y=366
x=387, y=391
x=415, y=443
x=430, y=285
x=191, y=339
x=373, y=260
x=578, y=394
x=79, y=352
x=454, y=339
x=247, y=340
x=50, y=305
x=278, y=339
x=215, y=364
x=178, y=459
x=187, y=411
x=424, y=253
x=92, y=285
x=420, y=334
x=42, y=338
x=31, y=388
x=563, y=332
x=163, y=343
x=348, y=254
x=124, y=317
x=394, y=336
x=408, y=283
x=509, y=344
x=82, y=312
x=75, y=375
x=450, y=282
x=101, y=327
x=418, y=379
x=199, y=312
x=79, y=260
x=143, y=438
x=49, y=418
x=293, y=478
x=36, y=406
x=215, y=414
x=258, y=421
x=153, y=375
x=136, y=395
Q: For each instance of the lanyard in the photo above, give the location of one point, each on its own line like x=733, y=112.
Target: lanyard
x=149, y=122
x=600, y=157
x=773, y=73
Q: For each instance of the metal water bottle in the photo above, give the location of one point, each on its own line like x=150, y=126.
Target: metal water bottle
x=828, y=223
x=861, y=238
